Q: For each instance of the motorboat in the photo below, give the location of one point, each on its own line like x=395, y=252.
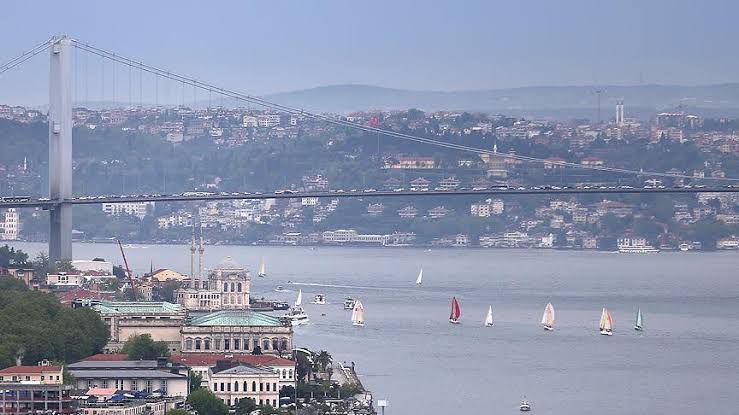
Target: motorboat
x=319, y=299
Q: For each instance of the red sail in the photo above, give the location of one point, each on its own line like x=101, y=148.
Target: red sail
x=456, y=312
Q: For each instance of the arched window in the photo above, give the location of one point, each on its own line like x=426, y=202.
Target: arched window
x=197, y=344
x=284, y=344
x=284, y=373
x=239, y=287
x=275, y=344
x=236, y=386
x=265, y=344
x=254, y=386
x=290, y=374
x=188, y=344
x=225, y=287
x=261, y=387
x=245, y=386
x=232, y=287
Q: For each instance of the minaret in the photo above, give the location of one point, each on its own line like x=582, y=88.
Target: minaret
x=192, y=260
x=201, y=251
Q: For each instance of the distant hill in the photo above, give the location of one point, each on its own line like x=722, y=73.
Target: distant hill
x=542, y=100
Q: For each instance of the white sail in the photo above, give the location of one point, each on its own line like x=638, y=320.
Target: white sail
x=262, y=269
x=639, y=323
x=489, y=317
x=299, y=300
x=547, y=319
x=358, y=314
x=606, y=322
x=419, y=280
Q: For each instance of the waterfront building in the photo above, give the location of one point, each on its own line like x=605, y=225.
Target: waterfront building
x=126, y=407
x=34, y=389
x=231, y=384
x=161, y=320
x=10, y=225
x=133, y=375
x=202, y=363
x=226, y=288
x=232, y=331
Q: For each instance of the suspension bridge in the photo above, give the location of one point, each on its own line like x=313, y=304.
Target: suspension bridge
x=60, y=125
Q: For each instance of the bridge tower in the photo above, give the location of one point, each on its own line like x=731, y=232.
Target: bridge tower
x=60, y=148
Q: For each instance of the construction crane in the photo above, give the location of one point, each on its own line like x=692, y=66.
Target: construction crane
x=128, y=271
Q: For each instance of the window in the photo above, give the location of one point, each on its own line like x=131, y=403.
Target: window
x=162, y=386
x=254, y=386
x=290, y=374
x=188, y=344
x=222, y=387
x=225, y=287
x=148, y=385
x=274, y=403
x=265, y=344
x=226, y=344
x=207, y=344
x=245, y=386
x=246, y=343
x=236, y=344
x=42, y=377
x=215, y=387
x=228, y=387
x=239, y=287
x=261, y=387
x=134, y=385
x=267, y=387
x=274, y=386
x=284, y=344
x=232, y=287
x=236, y=386
x=90, y=384
x=105, y=383
x=275, y=344
x=197, y=344
x=284, y=373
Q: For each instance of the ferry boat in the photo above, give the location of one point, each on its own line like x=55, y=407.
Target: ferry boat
x=525, y=406
x=456, y=312
x=547, y=319
x=349, y=303
x=684, y=247
x=319, y=299
x=358, y=314
x=606, y=323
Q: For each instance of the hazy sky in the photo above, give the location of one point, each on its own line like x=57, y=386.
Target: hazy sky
x=269, y=46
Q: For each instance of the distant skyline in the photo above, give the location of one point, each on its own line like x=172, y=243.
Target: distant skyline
x=264, y=47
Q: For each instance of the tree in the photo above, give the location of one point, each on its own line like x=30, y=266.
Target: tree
x=206, y=403
x=143, y=347
x=324, y=359
x=245, y=406
x=196, y=381
x=10, y=256
x=257, y=350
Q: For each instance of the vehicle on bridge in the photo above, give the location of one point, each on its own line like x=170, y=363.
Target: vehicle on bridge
x=15, y=199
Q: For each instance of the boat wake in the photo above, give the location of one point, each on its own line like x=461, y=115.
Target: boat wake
x=354, y=287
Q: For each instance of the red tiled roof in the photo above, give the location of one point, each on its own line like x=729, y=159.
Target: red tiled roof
x=29, y=369
x=106, y=357
x=210, y=359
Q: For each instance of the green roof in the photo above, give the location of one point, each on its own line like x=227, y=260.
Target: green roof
x=143, y=307
x=235, y=318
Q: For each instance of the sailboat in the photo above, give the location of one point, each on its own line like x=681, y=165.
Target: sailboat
x=456, y=312
x=419, y=280
x=606, y=323
x=639, y=325
x=547, y=319
x=358, y=314
x=262, y=269
x=297, y=315
x=489, y=317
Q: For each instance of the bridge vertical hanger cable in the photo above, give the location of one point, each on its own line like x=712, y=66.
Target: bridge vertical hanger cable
x=141, y=87
x=339, y=122
x=102, y=82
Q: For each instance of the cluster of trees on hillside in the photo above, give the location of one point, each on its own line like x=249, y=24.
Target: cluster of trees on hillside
x=35, y=326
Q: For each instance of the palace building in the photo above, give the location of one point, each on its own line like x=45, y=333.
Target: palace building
x=226, y=288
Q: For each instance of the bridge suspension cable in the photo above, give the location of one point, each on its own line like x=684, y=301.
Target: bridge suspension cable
x=18, y=60
x=186, y=80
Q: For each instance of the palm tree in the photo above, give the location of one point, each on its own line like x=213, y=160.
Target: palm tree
x=324, y=359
